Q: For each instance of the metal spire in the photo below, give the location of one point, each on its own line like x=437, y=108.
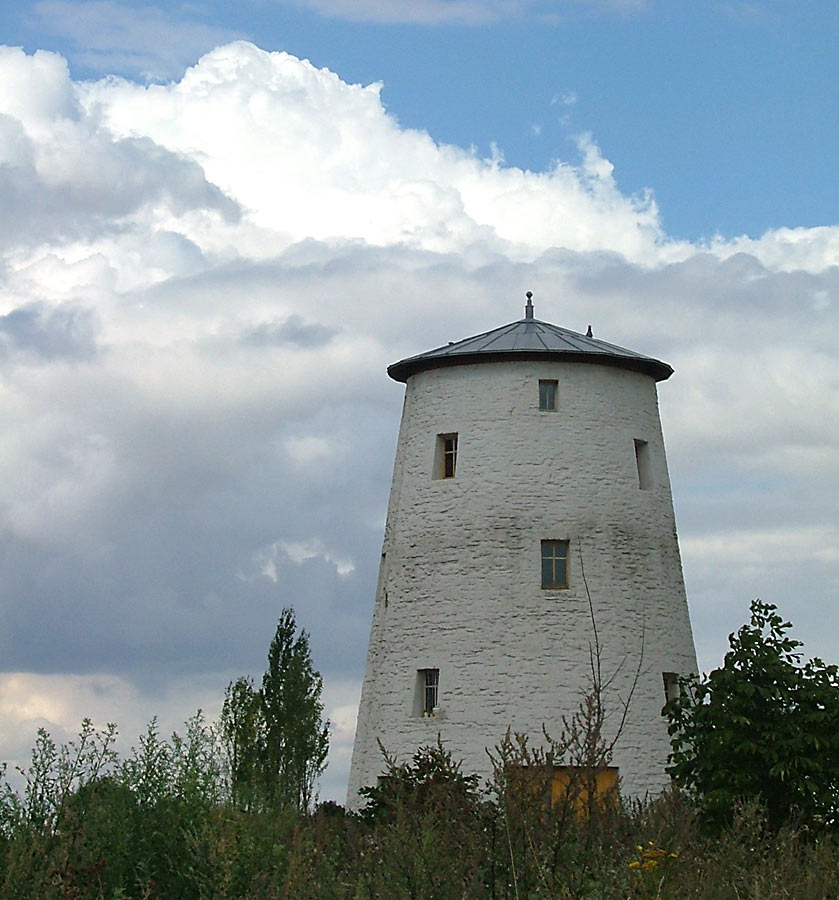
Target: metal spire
x=528, y=310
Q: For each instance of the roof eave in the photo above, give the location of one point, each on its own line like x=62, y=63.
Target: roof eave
x=404, y=369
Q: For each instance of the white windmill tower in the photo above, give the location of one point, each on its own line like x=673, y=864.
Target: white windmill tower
x=530, y=502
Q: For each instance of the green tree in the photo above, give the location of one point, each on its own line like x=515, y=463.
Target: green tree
x=426, y=826
x=276, y=737
x=763, y=725
x=431, y=774
x=242, y=730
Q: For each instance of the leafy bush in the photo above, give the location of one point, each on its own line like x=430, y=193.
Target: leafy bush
x=763, y=726
x=426, y=825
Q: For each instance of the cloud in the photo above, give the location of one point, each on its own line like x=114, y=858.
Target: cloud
x=768, y=547
x=746, y=12
x=48, y=334
x=300, y=552
x=62, y=175
x=200, y=289
x=564, y=98
x=293, y=330
x=460, y=12
x=355, y=175
x=309, y=450
x=109, y=37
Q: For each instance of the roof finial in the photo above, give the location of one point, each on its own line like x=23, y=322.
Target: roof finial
x=589, y=332
x=528, y=310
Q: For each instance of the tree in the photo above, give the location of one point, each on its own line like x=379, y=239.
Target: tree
x=276, y=737
x=242, y=735
x=427, y=829
x=431, y=777
x=764, y=726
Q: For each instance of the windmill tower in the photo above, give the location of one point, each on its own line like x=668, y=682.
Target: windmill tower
x=530, y=505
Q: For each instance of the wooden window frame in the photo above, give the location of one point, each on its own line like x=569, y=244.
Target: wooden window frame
x=427, y=696
x=549, y=552
x=545, y=395
x=445, y=457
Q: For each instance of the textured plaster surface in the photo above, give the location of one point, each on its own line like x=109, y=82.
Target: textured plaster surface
x=460, y=589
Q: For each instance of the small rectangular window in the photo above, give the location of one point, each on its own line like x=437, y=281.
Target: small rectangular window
x=642, y=461
x=432, y=686
x=547, y=395
x=555, y=564
x=445, y=456
x=449, y=455
x=426, y=700
x=671, y=685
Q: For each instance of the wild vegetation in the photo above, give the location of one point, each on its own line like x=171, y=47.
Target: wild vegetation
x=204, y=815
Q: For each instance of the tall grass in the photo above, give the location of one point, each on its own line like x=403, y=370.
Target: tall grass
x=161, y=823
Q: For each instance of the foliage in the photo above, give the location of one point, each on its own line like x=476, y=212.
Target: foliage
x=242, y=730
x=55, y=798
x=556, y=831
x=90, y=824
x=763, y=726
x=431, y=774
x=157, y=825
x=426, y=826
x=169, y=820
x=275, y=737
x=296, y=738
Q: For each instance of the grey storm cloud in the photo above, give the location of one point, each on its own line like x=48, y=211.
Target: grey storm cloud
x=204, y=485
x=293, y=330
x=63, y=333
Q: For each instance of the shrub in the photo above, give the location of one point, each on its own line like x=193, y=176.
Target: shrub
x=763, y=726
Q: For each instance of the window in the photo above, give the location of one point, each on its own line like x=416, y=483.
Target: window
x=449, y=455
x=547, y=395
x=642, y=461
x=671, y=685
x=445, y=456
x=554, y=564
x=427, y=697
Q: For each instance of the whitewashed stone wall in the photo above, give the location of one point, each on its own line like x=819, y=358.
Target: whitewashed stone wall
x=460, y=579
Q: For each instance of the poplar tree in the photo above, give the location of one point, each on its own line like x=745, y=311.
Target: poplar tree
x=276, y=737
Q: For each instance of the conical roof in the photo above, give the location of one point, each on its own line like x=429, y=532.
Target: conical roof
x=529, y=338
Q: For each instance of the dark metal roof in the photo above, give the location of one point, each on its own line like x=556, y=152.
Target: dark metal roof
x=529, y=338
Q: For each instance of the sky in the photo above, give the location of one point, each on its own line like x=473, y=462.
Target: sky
x=219, y=223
